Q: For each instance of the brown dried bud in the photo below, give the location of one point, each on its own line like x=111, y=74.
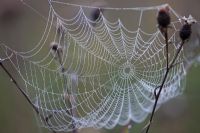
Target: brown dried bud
x=163, y=18
x=186, y=29
x=185, y=32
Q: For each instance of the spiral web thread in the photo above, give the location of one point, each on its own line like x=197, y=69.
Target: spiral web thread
x=110, y=72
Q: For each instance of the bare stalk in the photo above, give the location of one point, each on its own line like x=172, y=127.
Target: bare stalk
x=168, y=68
x=167, y=47
x=23, y=93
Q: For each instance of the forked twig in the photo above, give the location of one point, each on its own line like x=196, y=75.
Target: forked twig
x=169, y=66
x=163, y=20
x=157, y=95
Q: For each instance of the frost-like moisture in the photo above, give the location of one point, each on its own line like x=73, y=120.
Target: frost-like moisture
x=110, y=72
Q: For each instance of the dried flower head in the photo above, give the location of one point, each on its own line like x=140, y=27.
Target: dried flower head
x=163, y=18
x=186, y=29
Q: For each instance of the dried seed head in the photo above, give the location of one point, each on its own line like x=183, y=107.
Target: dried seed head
x=185, y=32
x=163, y=17
x=186, y=29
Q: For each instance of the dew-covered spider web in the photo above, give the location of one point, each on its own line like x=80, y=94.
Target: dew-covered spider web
x=105, y=70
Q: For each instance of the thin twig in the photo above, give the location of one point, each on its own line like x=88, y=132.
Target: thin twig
x=157, y=95
x=176, y=55
x=156, y=100
x=23, y=92
x=18, y=87
x=167, y=46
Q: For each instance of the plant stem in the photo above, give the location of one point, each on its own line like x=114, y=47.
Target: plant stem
x=23, y=93
x=176, y=55
x=167, y=47
x=18, y=87
x=168, y=68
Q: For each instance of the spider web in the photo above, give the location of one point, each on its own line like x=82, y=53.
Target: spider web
x=109, y=69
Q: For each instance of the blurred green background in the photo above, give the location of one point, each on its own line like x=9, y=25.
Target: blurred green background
x=17, y=27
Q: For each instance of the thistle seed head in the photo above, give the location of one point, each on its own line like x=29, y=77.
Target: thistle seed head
x=186, y=29
x=163, y=17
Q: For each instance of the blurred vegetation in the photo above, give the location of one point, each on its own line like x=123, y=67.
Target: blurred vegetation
x=180, y=115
